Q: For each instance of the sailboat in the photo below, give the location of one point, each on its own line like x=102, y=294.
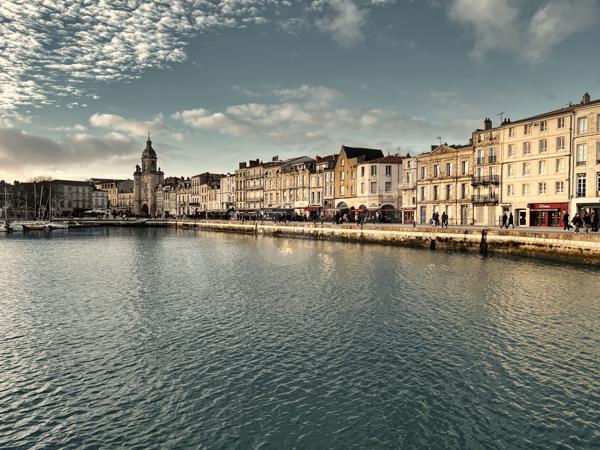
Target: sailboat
x=53, y=225
x=4, y=226
x=38, y=225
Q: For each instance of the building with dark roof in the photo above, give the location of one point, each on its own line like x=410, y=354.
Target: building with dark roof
x=345, y=174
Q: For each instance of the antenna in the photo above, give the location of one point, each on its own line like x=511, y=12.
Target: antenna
x=501, y=116
x=440, y=139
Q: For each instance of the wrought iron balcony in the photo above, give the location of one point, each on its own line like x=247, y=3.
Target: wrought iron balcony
x=491, y=198
x=485, y=180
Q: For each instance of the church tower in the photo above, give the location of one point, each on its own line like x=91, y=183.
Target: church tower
x=145, y=181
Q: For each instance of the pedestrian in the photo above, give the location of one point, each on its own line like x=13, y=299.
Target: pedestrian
x=595, y=220
x=587, y=221
x=511, y=221
x=436, y=219
x=504, y=221
x=576, y=222
x=444, y=220
x=567, y=225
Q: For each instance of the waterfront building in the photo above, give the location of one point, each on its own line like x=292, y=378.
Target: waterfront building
x=145, y=181
x=206, y=195
x=99, y=200
x=444, y=184
x=345, y=174
x=125, y=198
x=487, y=145
x=272, y=183
x=320, y=185
x=111, y=188
x=184, y=197
x=585, y=163
x=227, y=192
x=535, y=167
x=408, y=189
x=377, y=186
x=249, y=192
x=295, y=179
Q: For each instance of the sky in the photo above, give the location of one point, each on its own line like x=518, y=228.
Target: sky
x=217, y=82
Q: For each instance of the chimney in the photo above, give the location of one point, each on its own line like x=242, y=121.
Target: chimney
x=275, y=158
x=242, y=165
x=585, y=99
x=433, y=147
x=487, y=124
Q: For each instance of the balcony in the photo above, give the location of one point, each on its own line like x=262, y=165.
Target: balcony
x=485, y=180
x=492, y=159
x=491, y=198
x=480, y=161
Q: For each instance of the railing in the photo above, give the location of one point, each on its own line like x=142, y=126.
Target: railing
x=485, y=179
x=492, y=159
x=480, y=161
x=484, y=198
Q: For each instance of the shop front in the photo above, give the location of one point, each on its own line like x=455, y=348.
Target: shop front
x=546, y=214
x=408, y=216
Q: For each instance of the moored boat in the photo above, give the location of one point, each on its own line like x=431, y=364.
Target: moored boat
x=57, y=226
x=35, y=226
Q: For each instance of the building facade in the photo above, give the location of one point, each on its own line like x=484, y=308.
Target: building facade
x=146, y=179
x=487, y=145
x=346, y=174
x=408, y=189
x=377, y=187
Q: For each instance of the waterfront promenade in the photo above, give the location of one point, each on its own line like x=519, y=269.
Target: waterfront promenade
x=548, y=243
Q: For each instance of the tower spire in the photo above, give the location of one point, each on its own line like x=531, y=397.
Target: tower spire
x=149, y=136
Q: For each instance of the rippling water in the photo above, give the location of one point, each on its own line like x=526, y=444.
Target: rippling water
x=162, y=339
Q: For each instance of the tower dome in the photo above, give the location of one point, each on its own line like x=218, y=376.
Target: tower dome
x=148, y=152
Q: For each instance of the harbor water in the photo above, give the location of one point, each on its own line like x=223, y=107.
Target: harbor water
x=159, y=338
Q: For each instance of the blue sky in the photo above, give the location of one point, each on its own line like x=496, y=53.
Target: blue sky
x=221, y=81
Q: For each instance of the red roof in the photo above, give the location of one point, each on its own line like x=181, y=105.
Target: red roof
x=392, y=159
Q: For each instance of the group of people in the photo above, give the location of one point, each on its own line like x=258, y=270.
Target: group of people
x=508, y=221
x=589, y=220
x=435, y=219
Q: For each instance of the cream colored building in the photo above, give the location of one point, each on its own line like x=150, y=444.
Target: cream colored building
x=444, y=184
x=321, y=184
x=227, y=192
x=377, y=187
x=408, y=189
x=585, y=185
x=487, y=144
x=535, y=167
x=295, y=183
x=249, y=190
x=345, y=195
x=272, y=183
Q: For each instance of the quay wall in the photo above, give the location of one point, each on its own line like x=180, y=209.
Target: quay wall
x=551, y=244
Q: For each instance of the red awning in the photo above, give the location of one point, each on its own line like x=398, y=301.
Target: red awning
x=311, y=208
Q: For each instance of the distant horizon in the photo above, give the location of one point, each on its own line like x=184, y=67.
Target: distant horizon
x=225, y=81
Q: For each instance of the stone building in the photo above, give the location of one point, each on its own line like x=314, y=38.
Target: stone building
x=145, y=181
x=444, y=184
x=345, y=174
x=585, y=174
x=377, y=186
x=408, y=189
x=227, y=192
x=271, y=183
x=321, y=187
x=295, y=179
x=486, y=174
x=249, y=191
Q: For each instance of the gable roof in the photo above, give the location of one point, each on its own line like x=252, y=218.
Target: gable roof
x=390, y=159
x=365, y=154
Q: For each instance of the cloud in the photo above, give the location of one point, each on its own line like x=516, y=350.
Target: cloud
x=132, y=127
x=529, y=30
x=51, y=48
x=21, y=152
x=306, y=115
x=346, y=23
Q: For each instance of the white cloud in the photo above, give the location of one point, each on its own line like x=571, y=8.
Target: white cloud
x=132, y=127
x=528, y=29
x=346, y=23
x=50, y=47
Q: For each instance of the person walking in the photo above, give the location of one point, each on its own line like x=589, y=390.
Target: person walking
x=576, y=222
x=567, y=225
x=595, y=220
x=444, y=220
x=511, y=221
x=587, y=221
x=504, y=221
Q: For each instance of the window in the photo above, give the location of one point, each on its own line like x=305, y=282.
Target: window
x=525, y=189
x=362, y=188
x=511, y=131
x=527, y=128
x=543, y=125
x=436, y=191
x=560, y=123
x=373, y=171
x=388, y=186
x=464, y=167
x=422, y=194
x=541, y=167
x=598, y=152
x=448, y=169
x=388, y=171
x=352, y=189
x=342, y=176
x=559, y=187
x=492, y=156
x=352, y=175
x=542, y=188
x=342, y=191
x=598, y=122
x=436, y=170
x=511, y=150
x=543, y=145
x=597, y=182
x=479, y=156
x=560, y=143
x=422, y=173
x=463, y=190
x=511, y=170
x=362, y=171
x=525, y=168
x=560, y=165
x=581, y=185
x=582, y=125
x=448, y=191
x=342, y=163
x=373, y=187
x=581, y=154
x=510, y=190
x=526, y=148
